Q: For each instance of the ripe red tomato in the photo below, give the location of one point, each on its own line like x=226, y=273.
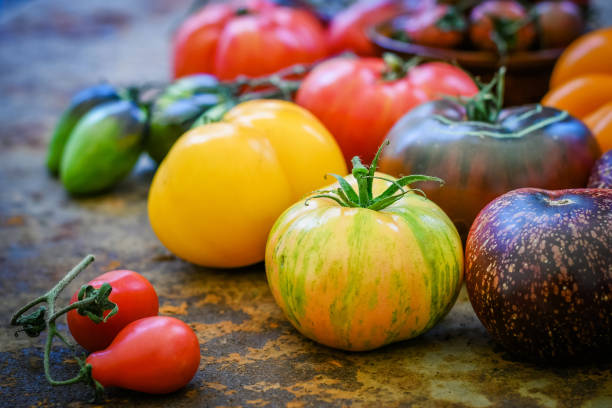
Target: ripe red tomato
x=133, y=294
x=347, y=31
x=438, y=26
x=359, y=105
x=157, y=355
x=246, y=37
x=501, y=25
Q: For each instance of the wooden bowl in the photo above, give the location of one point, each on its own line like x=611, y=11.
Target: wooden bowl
x=527, y=72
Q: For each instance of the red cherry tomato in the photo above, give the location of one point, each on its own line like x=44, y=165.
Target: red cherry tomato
x=501, y=25
x=157, y=355
x=354, y=101
x=133, y=294
x=246, y=37
x=438, y=26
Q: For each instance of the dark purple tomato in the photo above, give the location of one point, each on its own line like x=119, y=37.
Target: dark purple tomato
x=558, y=23
x=539, y=272
x=601, y=175
x=527, y=146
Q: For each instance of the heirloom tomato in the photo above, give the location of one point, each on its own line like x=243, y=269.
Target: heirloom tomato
x=558, y=22
x=135, y=298
x=538, y=275
x=600, y=123
x=217, y=193
x=359, y=99
x=582, y=95
x=589, y=54
x=483, y=153
x=348, y=29
x=246, y=37
x=362, y=263
x=156, y=355
x=601, y=174
x=437, y=26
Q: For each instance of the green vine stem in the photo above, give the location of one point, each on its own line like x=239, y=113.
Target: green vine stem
x=487, y=104
x=346, y=196
x=91, y=302
x=396, y=67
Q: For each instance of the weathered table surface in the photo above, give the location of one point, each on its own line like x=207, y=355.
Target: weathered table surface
x=251, y=356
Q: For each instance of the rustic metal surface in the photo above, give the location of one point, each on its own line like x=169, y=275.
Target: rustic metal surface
x=251, y=356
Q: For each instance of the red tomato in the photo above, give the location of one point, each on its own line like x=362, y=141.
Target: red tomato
x=246, y=37
x=347, y=31
x=133, y=294
x=437, y=26
x=354, y=101
x=508, y=34
x=157, y=355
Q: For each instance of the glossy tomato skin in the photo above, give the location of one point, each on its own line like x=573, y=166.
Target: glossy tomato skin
x=216, y=195
x=250, y=38
x=357, y=279
x=582, y=95
x=156, y=355
x=133, y=294
x=601, y=174
x=558, y=23
x=436, y=26
x=529, y=146
x=588, y=54
x=359, y=107
x=348, y=29
x=538, y=273
x=482, y=25
x=600, y=123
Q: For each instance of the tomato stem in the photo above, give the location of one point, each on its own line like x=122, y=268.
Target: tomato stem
x=397, y=67
x=92, y=302
x=486, y=105
x=346, y=196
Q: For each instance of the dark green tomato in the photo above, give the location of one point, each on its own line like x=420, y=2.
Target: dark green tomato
x=80, y=104
x=177, y=108
x=601, y=174
x=528, y=146
x=538, y=272
x=103, y=147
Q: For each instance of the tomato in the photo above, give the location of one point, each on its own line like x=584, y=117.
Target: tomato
x=589, y=54
x=538, y=272
x=601, y=174
x=479, y=160
x=348, y=29
x=437, y=26
x=356, y=277
x=243, y=37
x=217, y=193
x=582, y=95
x=501, y=25
x=135, y=298
x=558, y=22
x=359, y=100
x=156, y=355
x=600, y=123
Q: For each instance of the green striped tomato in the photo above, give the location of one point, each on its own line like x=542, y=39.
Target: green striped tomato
x=357, y=279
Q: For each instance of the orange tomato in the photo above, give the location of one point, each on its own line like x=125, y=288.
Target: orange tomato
x=582, y=95
x=589, y=54
x=600, y=123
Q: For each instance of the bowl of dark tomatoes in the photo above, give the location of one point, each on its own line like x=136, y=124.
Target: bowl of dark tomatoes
x=481, y=38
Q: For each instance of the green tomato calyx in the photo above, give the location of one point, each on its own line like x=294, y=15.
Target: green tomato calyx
x=346, y=196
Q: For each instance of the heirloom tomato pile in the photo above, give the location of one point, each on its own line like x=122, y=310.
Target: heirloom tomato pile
x=263, y=115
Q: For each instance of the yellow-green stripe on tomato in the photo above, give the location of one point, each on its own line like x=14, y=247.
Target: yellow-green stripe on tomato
x=357, y=278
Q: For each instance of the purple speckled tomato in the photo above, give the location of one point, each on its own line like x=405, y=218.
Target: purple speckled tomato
x=539, y=272
x=601, y=175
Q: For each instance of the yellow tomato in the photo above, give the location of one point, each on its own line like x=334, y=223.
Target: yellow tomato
x=217, y=193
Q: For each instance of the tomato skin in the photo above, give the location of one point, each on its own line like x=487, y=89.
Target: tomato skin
x=156, y=355
x=221, y=41
x=481, y=28
x=353, y=101
x=217, y=193
x=558, y=23
x=347, y=31
x=538, y=272
x=601, y=174
x=600, y=123
x=581, y=95
x=589, y=54
x=357, y=279
x=528, y=146
x=133, y=294
x=423, y=27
